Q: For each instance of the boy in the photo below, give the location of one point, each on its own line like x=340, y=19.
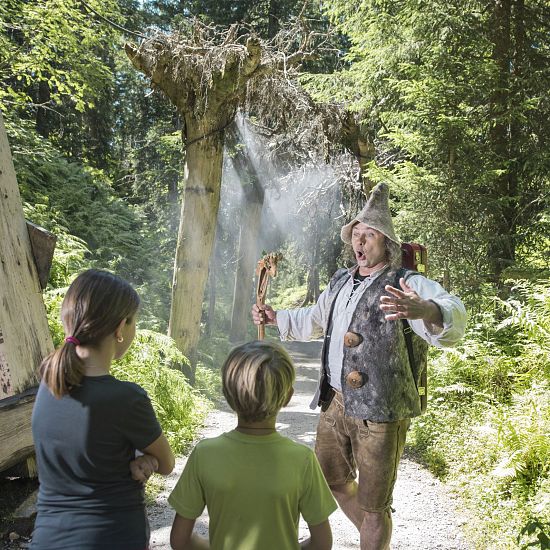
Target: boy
x=254, y=482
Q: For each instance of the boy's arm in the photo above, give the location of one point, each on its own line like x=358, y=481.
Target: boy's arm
x=321, y=537
x=182, y=537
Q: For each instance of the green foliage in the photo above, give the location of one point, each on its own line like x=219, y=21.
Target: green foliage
x=289, y=298
x=541, y=530
x=212, y=353
x=154, y=362
x=56, y=43
x=93, y=225
x=455, y=108
x=488, y=419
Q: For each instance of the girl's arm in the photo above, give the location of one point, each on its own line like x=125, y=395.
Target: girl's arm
x=160, y=449
x=182, y=538
x=143, y=467
x=321, y=537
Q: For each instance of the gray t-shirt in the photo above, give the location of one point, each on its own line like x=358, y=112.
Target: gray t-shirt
x=84, y=443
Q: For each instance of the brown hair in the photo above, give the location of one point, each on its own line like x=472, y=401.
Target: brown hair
x=257, y=378
x=95, y=304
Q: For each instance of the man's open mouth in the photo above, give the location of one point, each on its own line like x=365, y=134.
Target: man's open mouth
x=359, y=255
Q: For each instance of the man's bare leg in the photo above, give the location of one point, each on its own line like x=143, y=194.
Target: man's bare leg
x=375, y=532
x=374, y=528
x=346, y=497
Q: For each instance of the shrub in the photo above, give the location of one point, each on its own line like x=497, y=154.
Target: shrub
x=488, y=419
x=153, y=362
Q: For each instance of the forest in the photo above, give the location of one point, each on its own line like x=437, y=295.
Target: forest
x=174, y=142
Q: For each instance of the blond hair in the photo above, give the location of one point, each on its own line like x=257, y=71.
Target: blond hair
x=257, y=379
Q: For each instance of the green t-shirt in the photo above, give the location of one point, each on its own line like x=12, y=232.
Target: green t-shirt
x=255, y=488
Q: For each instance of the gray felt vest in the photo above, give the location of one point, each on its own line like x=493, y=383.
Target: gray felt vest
x=390, y=392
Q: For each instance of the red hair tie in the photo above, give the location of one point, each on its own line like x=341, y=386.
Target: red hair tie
x=73, y=340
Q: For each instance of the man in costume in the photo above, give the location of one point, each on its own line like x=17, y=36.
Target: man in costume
x=368, y=389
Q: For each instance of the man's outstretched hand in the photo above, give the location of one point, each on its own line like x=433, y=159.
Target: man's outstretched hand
x=268, y=313
x=407, y=304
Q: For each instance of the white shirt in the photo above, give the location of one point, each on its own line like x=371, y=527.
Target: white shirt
x=309, y=323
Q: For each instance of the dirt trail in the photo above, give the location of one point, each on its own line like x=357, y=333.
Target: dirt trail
x=425, y=516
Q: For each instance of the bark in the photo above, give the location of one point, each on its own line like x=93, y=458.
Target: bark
x=313, y=291
x=24, y=334
x=355, y=138
x=196, y=233
x=42, y=114
x=210, y=318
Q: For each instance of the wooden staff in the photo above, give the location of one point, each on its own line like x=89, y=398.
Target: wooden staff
x=266, y=267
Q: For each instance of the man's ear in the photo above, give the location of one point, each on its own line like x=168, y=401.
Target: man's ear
x=289, y=396
x=118, y=330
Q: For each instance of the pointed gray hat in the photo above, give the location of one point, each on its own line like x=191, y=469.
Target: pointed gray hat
x=375, y=214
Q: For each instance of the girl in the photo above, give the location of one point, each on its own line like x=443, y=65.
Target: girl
x=88, y=427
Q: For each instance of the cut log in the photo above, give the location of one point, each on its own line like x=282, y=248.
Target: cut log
x=15, y=428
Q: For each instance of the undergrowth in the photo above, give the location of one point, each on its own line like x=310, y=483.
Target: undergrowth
x=487, y=428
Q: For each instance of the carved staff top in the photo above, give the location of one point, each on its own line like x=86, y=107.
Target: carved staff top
x=266, y=267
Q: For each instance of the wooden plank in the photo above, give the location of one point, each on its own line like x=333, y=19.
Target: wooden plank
x=15, y=428
x=42, y=246
x=25, y=337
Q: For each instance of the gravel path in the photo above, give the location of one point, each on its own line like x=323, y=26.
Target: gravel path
x=425, y=516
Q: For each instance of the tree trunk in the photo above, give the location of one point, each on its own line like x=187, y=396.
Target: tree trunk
x=501, y=249
x=206, y=82
x=42, y=114
x=211, y=312
x=313, y=291
x=196, y=233
x=249, y=236
x=365, y=154
x=243, y=290
x=24, y=335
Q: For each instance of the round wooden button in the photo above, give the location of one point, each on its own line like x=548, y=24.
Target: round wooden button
x=352, y=339
x=356, y=379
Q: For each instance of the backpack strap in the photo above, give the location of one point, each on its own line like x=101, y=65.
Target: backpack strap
x=407, y=330
x=407, y=333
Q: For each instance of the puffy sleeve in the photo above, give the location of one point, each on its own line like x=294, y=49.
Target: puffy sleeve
x=305, y=323
x=452, y=310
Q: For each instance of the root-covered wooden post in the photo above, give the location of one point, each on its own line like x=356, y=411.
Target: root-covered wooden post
x=206, y=79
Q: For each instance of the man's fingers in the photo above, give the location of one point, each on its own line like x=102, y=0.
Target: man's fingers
x=394, y=316
x=395, y=291
x=390, y=307
x=389, y=300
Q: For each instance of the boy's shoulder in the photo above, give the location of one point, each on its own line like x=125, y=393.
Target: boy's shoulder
x=233, y=437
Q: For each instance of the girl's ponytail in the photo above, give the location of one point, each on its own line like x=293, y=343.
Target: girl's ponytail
x=94, y=306
x=62, y=369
